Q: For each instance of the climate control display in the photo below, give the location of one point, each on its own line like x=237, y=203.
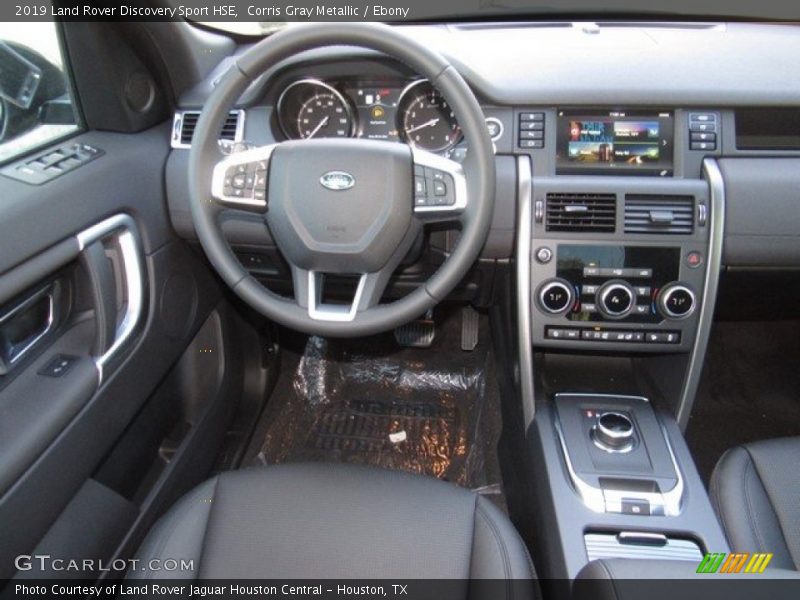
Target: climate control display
x=619, y=283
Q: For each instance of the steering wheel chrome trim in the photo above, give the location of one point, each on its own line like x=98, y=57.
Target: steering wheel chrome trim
x=338, y=313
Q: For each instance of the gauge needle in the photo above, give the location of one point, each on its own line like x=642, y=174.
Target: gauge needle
x=430, y=123
x=318, y=127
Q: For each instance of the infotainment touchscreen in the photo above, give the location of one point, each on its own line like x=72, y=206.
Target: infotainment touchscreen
x=632, y=142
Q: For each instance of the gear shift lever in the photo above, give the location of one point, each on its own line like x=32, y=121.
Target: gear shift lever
x=613, y=432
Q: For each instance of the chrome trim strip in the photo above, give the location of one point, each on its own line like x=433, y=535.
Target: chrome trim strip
x=177, y=127
x=716, y=186
x=133, y=271
x=668, y=504
x=595, y=395
x=332, y=312
x=627, y=449
x=423, y=158
x=47, y=291
x=523, y=291
x=673, y=499
x=592, y=497
x=634, y=536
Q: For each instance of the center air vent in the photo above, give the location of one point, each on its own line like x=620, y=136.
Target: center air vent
x=185, y=123
x=590, y=213
x=659, y=214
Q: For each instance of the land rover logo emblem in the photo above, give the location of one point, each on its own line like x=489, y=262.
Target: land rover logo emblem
x=337, y=180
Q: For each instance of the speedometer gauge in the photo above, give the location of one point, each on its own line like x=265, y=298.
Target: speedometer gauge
x=426, y=119
x=323, y=115
x=312, y=109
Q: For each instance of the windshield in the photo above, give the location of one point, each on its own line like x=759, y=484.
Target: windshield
x=259, y=20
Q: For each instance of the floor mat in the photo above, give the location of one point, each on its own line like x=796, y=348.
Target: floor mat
x=433, y=411
x=750, y=389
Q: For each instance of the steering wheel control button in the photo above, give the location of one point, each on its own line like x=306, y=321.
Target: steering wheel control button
x=433, y=187
x=556, y=296
x=613, y=432
x=544, y=255
x=246, y=181
x=615, y=299
x=676, y=301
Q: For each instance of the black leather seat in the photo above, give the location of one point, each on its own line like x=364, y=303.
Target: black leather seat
x=336, y=521
x=755, y=489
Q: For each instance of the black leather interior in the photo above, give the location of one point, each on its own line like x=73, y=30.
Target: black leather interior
x=755, y=490
x=337, y=521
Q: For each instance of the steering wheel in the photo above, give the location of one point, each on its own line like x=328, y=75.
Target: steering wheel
x=342, y=206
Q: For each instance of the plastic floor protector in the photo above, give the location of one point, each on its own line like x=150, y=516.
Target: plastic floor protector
x=433, y=411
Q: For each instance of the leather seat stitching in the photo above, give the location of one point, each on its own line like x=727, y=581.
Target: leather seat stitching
x=770, y=507
x=524, y=547
x=499, y=540
x=750, y=508
x=159, y=549
x=205, y=531
x=716, y=498
x=610, y=576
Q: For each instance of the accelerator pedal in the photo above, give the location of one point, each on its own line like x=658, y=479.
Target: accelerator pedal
x=417, y=334
x=470, y=321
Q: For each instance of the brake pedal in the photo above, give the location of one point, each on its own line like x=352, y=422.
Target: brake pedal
x=470, y=321
x=417, y=334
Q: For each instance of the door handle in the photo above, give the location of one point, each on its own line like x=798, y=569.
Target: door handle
x=114, y=334
x=104, y=295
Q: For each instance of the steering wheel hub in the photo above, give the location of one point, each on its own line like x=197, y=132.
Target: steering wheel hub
x=355, y=223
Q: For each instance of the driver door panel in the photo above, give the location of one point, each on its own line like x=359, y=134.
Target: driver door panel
x=56, y=428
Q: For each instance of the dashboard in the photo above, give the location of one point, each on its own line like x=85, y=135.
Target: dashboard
x=608, y=118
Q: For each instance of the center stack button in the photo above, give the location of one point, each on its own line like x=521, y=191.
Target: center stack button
x=556, y=296
x=616, y=299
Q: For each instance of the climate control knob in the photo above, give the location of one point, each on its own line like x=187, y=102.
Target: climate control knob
x=616, y=299
x=676, y=301
x=556, y=296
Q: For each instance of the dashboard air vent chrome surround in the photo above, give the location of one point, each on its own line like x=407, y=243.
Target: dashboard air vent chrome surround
x=581, y=213
x=184, y=124
x=658, y=214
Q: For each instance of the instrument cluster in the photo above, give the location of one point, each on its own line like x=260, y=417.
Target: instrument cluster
x=411, y=112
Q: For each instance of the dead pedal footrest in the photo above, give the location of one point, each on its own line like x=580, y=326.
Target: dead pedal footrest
x=417, y=334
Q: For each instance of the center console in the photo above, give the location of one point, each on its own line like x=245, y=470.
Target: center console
x=619, y=254
x=621, y=483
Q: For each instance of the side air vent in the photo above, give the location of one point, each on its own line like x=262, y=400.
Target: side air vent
x=185, y=123
x=589, y=213
x=659, y=214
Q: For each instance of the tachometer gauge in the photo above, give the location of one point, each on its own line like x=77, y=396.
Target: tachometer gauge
x=312, y=109
x=425, y=118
